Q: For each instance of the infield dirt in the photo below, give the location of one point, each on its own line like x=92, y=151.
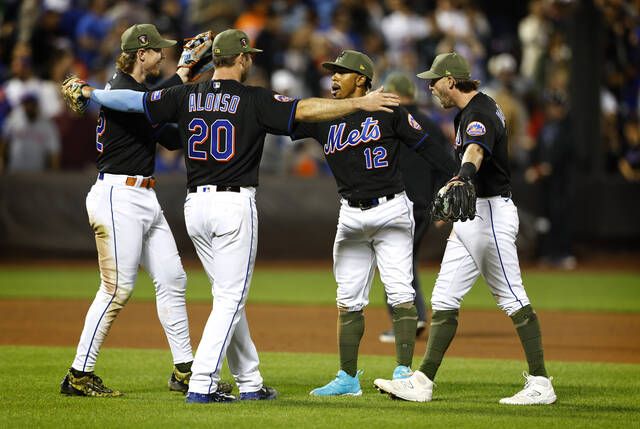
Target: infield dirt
x=567, y=336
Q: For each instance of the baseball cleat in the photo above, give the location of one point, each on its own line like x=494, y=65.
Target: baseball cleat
x=87, y=384
x=402, y=371
x=342, y=385
x=537, y=391
x=417, y=388
x=179, y=381
x=207, y=398
x=265, y=393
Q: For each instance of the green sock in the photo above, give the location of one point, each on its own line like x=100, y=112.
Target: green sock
x=405, y=321
x=528, y=327
x=350, y=330
x=443, y=328
x=184, y=367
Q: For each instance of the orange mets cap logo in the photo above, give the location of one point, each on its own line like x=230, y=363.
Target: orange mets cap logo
x=476, y=128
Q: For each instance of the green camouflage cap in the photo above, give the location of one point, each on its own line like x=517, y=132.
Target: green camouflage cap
x=450, y=64
x=143, y=36
x=232, y=42
x=401, y=84
x=353, y=61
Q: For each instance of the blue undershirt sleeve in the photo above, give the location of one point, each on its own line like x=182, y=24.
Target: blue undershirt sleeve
x=124, y=100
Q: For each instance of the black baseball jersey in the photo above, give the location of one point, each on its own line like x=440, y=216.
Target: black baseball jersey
x=126, y=142
x=222, y=124
x=420, y=178
x=362, y=150
x=482, y=122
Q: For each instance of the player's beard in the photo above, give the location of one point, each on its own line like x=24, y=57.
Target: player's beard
x=445, y=100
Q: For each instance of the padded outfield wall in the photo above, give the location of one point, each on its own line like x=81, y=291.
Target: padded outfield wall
x=44, y=215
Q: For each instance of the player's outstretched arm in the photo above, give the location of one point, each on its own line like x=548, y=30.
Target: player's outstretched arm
x=322, y=109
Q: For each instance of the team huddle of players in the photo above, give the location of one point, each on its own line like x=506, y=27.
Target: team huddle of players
x=221, y=125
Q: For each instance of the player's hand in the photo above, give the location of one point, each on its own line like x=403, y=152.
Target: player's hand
x=73, y=91
x=378, y=100
x=455, y=201
x=197, y=56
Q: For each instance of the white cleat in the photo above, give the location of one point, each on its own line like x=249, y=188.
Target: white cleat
x=417, y=388
x=537, y=391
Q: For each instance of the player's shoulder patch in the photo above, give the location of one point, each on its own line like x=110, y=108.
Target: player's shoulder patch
x=476, y=128
x=413, y=122
x=156, y=95
x=282, y=98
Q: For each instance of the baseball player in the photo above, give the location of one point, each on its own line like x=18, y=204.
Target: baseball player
x=419, y=182
x=130, y=228
x=222, y=126
x=376, y=224
x=484, y=245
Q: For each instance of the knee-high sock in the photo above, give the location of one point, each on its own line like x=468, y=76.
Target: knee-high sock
x=526, y=322
x=350, y=331
x=404, y=327
x=443, y=328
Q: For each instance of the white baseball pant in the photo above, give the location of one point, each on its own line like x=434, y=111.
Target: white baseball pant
x=131, y=230
x=224, y=229
x=487, y=246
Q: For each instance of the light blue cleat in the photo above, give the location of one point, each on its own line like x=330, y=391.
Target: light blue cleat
x=401, y=372
x=342, y=385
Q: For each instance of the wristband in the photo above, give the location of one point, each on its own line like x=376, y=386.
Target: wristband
x=467, y=171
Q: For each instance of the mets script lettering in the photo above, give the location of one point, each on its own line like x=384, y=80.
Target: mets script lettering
x=370, y=132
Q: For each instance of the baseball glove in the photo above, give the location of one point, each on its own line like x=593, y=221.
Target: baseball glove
x=455, y=201
x=197, y=55
x=72, y=93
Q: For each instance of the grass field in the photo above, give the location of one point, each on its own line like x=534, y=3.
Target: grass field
x=576, y=291
x=594, y=395
x=591, y=395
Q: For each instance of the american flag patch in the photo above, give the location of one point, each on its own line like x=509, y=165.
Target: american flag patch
x=155, y=95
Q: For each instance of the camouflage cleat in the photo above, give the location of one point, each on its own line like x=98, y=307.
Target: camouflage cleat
x=87, y=384
x=179, y=382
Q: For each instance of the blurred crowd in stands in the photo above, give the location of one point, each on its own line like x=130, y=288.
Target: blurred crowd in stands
x=522, y=58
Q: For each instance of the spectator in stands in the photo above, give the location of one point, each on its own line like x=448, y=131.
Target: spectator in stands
x=629, y=164
x=534, y=31
x=92, y=29
x=32, y=142
x=551, y=168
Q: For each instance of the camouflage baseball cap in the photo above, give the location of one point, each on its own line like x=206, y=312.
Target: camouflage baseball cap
x=143, y=36
x=401, y=84
x=450, y=64
x=232, y=42
x=353, y=61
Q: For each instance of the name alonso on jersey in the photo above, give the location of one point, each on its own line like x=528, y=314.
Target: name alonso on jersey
x=213, y=102
x=370, y=131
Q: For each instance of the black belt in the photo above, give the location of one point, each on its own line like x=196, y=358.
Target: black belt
x=369, y=202
x=219, y=188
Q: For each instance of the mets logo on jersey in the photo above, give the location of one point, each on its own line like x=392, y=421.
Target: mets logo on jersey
x=413, y=122
x=155, y=95
x=476, y=128
x=282, y=98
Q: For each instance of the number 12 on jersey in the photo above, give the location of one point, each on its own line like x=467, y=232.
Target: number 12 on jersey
x=220, y=137
x=375, y=158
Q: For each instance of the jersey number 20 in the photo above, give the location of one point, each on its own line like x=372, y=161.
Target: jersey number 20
x=221, y=137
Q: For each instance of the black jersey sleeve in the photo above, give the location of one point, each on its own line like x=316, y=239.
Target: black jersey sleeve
x=168, y=136
x=413, y=134
x=163, y=105
x=302, y=130
x=276, y=113
x=167, y=83
x=478, y=128
x=408, y=129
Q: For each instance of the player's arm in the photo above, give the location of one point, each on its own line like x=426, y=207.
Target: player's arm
x=181, y=76
x=471, y=161
x=123, y=100
x=323, y=109
x=168, y=136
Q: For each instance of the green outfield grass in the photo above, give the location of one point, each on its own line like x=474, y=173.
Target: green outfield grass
x=576, y=291
x=590, y=395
